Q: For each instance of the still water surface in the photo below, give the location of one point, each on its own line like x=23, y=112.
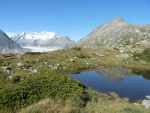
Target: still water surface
x=134, y=87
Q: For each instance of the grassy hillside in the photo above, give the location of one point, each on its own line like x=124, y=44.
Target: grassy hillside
x=36, y=82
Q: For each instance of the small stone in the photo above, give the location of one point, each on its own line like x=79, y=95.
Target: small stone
x=72, y=60
x=7, y=70
x=34, y=71
x=75, y=57
x=57, y=64
x=50, y=66
x=147, y=97
x=27, y=66
x=45, y=63
x=10, y=77
x=19, y=64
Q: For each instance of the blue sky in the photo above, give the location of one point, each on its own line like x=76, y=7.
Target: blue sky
x=74, y=18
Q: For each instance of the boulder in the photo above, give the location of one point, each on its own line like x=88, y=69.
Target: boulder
x=19, y=64
x=7, y=70
x=146, y=101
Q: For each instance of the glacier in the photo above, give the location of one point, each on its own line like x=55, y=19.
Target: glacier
x=41, y=41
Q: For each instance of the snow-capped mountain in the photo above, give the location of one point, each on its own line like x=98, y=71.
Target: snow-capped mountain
x=41, y=41
x=7, y=45
x=32, y=35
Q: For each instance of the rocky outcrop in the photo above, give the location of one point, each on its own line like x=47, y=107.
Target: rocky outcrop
x=146, y=102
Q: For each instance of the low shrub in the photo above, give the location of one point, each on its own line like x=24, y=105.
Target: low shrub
x=38, y=87
x=145, y=55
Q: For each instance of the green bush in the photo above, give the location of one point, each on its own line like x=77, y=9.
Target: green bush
x=145, y=55
x=38, y=87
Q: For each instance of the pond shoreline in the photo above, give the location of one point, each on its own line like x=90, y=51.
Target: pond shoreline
x=131, y=80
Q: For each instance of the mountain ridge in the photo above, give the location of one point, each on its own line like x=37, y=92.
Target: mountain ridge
x=41, y=40
x=120, y=35
x=7, y=45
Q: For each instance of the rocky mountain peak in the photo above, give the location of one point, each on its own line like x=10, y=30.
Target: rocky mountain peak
x=120, y=35
x=119, y=20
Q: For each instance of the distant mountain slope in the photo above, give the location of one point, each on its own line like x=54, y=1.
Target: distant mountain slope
x=120, y=35
x=41, y=41
x=7, y=45
x=64, y=42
